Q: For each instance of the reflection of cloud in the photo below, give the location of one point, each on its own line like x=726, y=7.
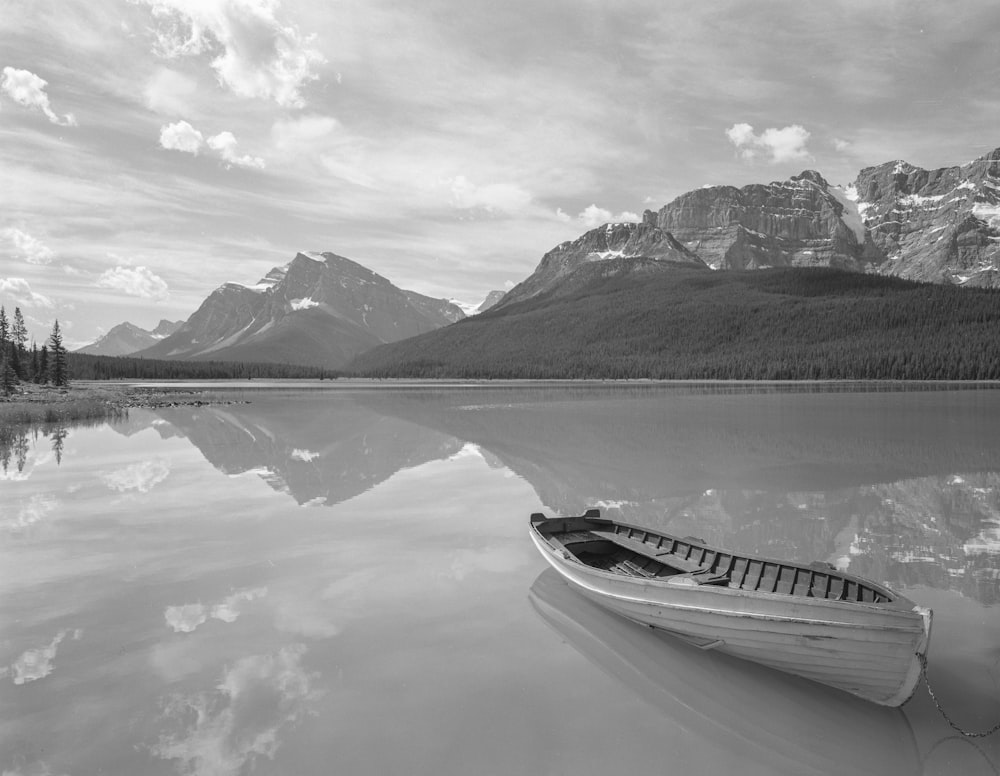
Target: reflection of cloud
x=229, y=609
x=34, y=511
x=37, y=663
x=497, y=561
x=187, y=617
x=139, y=476
x=225, y=730
x=35, y=769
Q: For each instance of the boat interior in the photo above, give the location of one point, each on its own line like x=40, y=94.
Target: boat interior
x=635, y=552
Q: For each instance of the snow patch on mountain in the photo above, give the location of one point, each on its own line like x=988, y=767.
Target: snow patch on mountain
x=848, y=198
x=303, y=304
x=988, y=213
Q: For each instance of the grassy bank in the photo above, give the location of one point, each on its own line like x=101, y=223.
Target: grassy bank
x=34, y=404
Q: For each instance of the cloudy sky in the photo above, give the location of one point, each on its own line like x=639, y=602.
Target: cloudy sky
x=151, y=150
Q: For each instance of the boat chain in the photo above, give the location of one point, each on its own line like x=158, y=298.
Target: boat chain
x=966, y=733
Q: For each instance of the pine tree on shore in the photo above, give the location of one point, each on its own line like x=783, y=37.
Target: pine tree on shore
x=58, y=372
x=8, y=378
x=42, y=373
x=18, y=338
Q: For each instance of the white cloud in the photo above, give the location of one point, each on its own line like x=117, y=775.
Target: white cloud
x=225, y=144
x=142, y=476
x=593, y=216
x=134, y=281
x=20, y=291
x=841, y=145
x=227, y=729
x=787, y=144
x=254, y=53
x=28, y=89
x=32, y=249
x=492, y=197
x=181, y=136
x=169, y=92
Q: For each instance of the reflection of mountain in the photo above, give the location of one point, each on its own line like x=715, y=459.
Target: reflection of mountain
x=867, y=477
x=314, y=449
x=746, y=714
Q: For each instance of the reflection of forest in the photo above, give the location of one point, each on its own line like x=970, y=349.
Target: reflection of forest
x=17, y=441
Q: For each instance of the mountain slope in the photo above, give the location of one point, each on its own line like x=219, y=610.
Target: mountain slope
x=127, y=338
x=683, y=322
x=320, y=309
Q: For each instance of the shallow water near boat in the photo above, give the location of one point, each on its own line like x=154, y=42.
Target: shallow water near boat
x=340, y=580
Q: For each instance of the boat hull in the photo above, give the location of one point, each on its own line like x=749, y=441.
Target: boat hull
x=868, y=650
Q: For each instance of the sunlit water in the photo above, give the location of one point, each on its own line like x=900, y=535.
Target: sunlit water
x=340, y=581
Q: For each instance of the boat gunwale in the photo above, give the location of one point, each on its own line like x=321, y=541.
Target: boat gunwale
x=897, y=602
x=909, y=616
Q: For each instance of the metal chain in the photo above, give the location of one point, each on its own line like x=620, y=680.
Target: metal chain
x=927, y=683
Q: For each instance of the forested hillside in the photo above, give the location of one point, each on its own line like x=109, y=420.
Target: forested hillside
x=777, y=324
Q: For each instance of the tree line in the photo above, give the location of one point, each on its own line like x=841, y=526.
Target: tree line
x=90, y=367
x=45, y=365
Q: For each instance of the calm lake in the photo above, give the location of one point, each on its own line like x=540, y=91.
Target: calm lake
x=339, y=580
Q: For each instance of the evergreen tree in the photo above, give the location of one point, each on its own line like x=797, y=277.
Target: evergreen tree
x=42, y=373
x=8, y=379
x=4, y=328
x=18, y=338
x=58, y=372
x=34, y=362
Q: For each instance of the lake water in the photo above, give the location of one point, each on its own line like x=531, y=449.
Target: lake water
x=340, y=581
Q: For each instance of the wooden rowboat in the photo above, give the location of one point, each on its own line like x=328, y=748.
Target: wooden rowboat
x=808, y=620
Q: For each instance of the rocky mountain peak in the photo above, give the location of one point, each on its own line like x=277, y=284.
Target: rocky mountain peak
x=320, y=308
x=812, y=176
x=611, y=241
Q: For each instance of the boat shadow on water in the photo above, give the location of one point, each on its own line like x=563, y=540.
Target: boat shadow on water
x=772, y=722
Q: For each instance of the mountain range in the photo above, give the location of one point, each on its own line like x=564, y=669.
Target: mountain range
x=940, y=226
x=126, y=338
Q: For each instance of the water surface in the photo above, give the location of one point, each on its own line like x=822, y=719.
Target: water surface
x=340, y=581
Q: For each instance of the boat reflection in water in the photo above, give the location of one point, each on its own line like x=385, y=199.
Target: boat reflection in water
x=766, y=721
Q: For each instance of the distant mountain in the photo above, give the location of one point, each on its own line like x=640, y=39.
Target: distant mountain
x=491, y=299
x=318, y=310
x=649, y=318
x=127, y=338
